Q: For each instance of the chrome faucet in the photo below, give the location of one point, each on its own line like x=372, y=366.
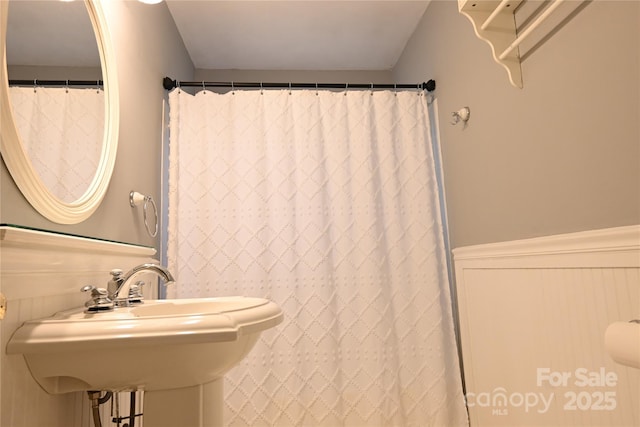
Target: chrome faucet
x=119, y=286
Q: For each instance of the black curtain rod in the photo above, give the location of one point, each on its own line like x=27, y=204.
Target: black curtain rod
x=63, y=83
x=169, y=84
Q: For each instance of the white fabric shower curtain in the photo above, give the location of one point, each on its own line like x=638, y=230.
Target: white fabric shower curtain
x=326, y=203
x=62, y=131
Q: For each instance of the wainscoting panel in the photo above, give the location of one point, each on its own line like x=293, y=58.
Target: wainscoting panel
x=533, y=316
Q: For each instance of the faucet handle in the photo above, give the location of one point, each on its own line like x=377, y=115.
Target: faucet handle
x=135, y=292
x=99, y=299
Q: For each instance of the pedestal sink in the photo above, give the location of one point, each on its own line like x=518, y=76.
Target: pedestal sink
x=174, y=350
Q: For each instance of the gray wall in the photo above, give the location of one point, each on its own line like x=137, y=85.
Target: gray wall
x=23, y=72
x=147, y=47
x=560, y=155
x=295, y=76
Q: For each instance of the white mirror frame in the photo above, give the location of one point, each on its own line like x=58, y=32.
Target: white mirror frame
x=12, y=149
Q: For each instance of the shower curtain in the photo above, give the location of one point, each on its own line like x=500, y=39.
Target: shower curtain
x=326, y=203
x=62, y=131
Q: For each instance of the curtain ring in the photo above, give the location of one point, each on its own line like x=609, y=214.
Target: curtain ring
x=316, y=88
x=204, y=88
x=261, y=89
x=346, y=88
x=395, y=89
x=289, y=88
x=233, y=89
x=35, y=83
x=97, y=86
x=371, y=89
x=66, y=88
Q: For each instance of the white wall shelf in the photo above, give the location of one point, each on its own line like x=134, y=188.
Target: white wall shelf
x=494, y=22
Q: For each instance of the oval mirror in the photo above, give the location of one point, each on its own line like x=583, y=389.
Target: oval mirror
x=59, y=143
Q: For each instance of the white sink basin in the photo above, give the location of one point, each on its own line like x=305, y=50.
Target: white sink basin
x=159, y=345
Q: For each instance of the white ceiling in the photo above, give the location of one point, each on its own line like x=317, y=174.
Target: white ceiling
x=240, y=34
x=296, y=34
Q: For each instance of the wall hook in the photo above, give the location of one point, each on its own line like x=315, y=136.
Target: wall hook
x=462, y=115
